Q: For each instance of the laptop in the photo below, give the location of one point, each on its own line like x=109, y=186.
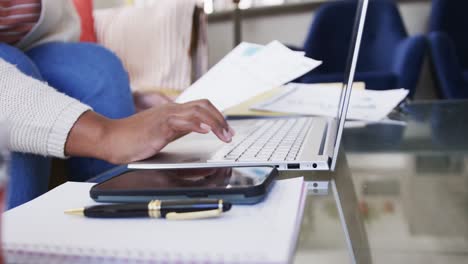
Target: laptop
x=293, y=143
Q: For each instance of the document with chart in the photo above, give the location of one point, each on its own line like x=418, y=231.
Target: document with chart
x=248, y=70
x=321, y=100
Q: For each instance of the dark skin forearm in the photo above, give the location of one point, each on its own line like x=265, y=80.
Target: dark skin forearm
x=144, y=134
x=87, y=136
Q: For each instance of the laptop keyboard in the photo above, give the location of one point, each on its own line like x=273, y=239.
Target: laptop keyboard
x=267, y=140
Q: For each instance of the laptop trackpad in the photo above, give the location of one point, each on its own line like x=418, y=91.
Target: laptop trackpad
x=193, y=148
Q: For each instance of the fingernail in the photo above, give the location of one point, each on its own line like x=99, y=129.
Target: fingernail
x=205, y=127
x=226, y=135
x=231, y=131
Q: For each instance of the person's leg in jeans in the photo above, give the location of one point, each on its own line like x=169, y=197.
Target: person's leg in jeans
x=93, y=75
x=29, y=174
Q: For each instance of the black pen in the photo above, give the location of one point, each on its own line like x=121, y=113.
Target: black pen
x=169, y=209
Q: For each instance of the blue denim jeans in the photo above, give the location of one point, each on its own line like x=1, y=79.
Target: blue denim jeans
x=85, y=71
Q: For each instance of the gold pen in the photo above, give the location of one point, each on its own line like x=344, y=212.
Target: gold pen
x=169, y=209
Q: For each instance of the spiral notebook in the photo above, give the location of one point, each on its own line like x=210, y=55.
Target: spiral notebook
x=39, y=232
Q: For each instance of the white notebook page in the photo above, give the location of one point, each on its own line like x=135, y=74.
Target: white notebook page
x=263, y=233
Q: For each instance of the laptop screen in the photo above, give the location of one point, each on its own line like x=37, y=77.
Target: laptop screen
x=350, y=70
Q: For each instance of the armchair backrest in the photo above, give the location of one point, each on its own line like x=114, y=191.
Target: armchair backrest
x=330, y=34
x=450, y=16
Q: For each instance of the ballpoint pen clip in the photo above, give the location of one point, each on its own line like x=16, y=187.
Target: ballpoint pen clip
x=193, y=215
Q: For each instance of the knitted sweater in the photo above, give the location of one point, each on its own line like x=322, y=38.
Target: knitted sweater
x=39, y=117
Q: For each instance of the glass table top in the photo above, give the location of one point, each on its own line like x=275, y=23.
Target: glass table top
x=399, y=194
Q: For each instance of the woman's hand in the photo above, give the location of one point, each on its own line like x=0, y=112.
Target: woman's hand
x=144, y=134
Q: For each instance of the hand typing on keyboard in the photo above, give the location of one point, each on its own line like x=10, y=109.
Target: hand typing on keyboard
x=144, y=134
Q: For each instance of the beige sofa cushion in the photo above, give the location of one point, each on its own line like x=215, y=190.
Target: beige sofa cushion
x=154, y=43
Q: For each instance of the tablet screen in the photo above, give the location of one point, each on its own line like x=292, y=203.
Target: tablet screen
x=222, y=178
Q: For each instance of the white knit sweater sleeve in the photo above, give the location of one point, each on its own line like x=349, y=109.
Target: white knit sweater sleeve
x=39, y=117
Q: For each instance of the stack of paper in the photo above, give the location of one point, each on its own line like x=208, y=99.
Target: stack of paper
x=248, y=70
x=245, y=109
x=39, y=232
x=323, y=100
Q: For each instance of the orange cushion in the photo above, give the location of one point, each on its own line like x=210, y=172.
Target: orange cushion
x=85, y=10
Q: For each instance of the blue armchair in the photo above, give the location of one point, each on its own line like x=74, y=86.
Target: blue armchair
x=388, y=57
x=448, y=45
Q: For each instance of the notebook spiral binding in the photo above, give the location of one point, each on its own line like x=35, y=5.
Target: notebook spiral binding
x=55, y=254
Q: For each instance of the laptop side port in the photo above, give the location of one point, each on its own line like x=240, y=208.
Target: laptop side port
x=294, y=166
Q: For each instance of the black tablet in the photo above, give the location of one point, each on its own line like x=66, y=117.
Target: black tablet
x=239, y=185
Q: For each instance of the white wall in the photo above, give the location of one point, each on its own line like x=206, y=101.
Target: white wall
x=107, y=3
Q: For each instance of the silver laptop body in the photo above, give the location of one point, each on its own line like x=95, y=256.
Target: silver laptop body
x=294, y=143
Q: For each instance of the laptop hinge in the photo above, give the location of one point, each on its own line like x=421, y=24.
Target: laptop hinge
x=324, y=139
